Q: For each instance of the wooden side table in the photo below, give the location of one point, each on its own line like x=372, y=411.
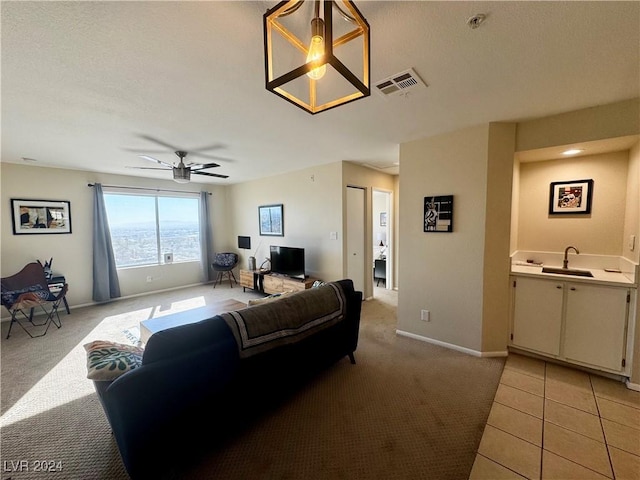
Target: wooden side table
x=55, y=284
x=251, y=279
x=269, y=283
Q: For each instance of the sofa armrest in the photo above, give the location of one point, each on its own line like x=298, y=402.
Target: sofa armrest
x=182, y=340
x=354, y=309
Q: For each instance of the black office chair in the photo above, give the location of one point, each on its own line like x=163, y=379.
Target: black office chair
x=380, y=271
x=224, y=263
x=28, y=290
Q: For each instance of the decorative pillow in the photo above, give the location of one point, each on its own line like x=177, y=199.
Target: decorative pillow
x=225, y=259
x=108, y=360
x=275, y=296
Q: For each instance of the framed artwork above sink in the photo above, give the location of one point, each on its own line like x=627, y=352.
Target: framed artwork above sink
x=570, y=197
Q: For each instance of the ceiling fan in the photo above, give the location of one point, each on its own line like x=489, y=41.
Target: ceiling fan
x=182, y=171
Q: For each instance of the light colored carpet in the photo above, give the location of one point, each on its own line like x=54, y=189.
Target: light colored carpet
x=406, y=410
x=132, y=335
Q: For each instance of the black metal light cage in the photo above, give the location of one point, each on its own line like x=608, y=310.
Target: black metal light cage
x=276, y=85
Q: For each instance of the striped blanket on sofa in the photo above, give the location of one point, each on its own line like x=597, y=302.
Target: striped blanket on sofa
x=287, y=320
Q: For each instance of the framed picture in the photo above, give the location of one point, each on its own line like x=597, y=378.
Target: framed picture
x=383, y=219
x=438, y=213
x=32, y=217
x=271, y=220
x=572, y=197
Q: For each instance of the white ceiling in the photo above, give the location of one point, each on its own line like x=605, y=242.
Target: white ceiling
x=83, y=82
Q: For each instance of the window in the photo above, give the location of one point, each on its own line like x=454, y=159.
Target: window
x=145, y=227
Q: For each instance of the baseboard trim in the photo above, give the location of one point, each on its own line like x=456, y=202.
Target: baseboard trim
x=633, y=386
x=452, y=346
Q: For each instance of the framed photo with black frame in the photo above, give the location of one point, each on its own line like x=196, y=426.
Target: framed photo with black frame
x=271, y=220
x=33, y=217
x=571, y=197
x=438, y=213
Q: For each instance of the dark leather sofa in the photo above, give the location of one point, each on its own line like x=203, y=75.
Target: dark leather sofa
x=193, y=383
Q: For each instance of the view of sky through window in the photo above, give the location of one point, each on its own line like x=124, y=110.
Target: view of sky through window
x=140, y=237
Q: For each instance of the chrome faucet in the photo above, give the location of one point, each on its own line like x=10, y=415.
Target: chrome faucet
x=565, y=262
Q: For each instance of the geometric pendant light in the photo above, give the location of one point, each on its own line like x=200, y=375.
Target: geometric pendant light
x=317, y=58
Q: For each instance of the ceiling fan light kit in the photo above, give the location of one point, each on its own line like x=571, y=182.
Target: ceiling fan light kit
x=317, y=58
x=181, y=174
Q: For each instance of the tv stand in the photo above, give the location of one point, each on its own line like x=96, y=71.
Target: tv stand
x=271, y=283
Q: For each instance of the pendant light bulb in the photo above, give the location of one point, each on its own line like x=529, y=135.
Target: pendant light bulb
x=316, y=48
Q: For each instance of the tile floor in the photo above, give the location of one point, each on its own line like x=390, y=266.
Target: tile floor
x=553, y=422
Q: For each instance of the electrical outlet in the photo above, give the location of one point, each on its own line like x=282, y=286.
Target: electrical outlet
x=168, y=258
x=425, y=315
x=333, y=235
x=149, y=279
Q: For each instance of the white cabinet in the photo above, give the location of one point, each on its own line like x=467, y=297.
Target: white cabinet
x=537, y=319
x=572, y=321
x=595, y=325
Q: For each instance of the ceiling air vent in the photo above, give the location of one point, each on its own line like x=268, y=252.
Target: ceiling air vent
x=400, y=84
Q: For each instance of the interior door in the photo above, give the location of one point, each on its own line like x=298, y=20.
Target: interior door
x=355, y=237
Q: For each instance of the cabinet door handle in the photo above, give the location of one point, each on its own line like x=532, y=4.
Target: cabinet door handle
x=573, y=288
x=559, y=287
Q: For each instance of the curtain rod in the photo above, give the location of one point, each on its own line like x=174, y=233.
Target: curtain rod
x=143, y=188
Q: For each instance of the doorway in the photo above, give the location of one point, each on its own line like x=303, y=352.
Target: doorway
x=382, y=239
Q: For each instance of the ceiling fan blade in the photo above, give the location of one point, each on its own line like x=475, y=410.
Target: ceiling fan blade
x=159, y=142
x=210, y=174
x=147, y=157
x=215, y=146
x=211, y=157
x=195, y=167
x=150, y=168
x=140, y=150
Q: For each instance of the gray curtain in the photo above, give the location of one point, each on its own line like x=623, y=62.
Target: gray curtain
x=105, y=274
x=206, y=245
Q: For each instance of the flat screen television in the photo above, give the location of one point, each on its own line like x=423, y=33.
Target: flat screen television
x=288, y=261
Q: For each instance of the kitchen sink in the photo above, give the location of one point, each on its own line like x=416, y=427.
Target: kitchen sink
x=567, y=271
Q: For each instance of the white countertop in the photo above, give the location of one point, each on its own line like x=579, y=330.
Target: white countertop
x=599, y=275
